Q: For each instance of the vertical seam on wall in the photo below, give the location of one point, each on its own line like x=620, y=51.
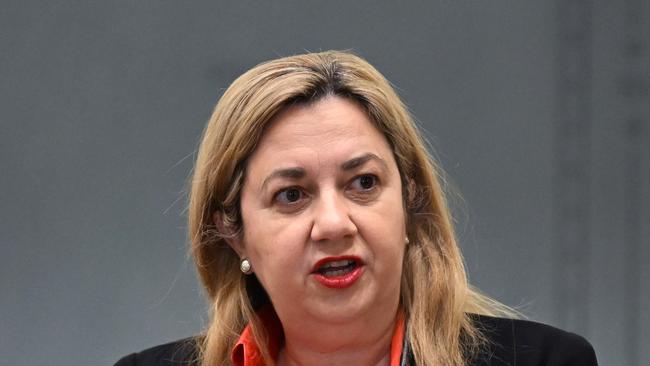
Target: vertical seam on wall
x=634, y=88
x=572, y=178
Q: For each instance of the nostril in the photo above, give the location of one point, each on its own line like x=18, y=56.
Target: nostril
x=332, y=221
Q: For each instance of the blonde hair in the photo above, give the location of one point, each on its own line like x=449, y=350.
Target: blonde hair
x=435, y=295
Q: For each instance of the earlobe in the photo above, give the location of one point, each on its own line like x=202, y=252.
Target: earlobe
x=228, y=233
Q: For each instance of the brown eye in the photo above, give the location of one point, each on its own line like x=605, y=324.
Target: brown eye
x=365, y=182
x=289, y=195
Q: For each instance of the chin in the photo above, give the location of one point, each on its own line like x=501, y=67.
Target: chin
x=340, y=315
x=343, y=309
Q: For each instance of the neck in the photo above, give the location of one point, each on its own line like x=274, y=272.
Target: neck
x=345, y=344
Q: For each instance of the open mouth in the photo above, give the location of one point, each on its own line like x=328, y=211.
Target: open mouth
x=338, y=272
x=337, y=268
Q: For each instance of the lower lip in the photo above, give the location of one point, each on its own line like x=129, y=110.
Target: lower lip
x=341, y=281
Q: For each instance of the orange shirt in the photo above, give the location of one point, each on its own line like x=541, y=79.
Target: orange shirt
x=247, y=353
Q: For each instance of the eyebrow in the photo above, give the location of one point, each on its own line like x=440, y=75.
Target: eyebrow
x=296, y=173
x=291, y=173
x=359, y=161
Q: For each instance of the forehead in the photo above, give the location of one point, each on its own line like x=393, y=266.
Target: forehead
x=331, y=129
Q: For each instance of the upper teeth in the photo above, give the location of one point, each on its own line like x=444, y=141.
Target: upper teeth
x=345, y=262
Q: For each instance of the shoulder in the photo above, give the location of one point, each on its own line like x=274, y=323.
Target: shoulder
x=178, y=353
x=523, y=342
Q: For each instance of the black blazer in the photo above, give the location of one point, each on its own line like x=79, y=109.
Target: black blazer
x=510, y=343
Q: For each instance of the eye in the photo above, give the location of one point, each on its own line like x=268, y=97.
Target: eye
x=289, y=195
x=365, y=182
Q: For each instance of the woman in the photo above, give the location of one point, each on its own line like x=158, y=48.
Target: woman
x=321, y=234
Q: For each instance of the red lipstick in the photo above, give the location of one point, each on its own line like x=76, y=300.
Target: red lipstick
x=338, y=272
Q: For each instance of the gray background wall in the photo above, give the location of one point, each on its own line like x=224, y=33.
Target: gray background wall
x=538, y=111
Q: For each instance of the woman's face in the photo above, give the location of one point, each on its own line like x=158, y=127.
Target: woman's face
x=324, y=225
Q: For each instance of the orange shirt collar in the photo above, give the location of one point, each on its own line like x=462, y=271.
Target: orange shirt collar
x=247, y=353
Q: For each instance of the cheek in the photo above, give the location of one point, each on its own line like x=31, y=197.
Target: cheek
x=383, y=228
x=384, y=238
x=274, y=247
x=390, y=255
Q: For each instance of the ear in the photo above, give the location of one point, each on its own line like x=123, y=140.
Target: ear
x=409, y=195
x=411, y=204
x=411, y=191
x=228, y=233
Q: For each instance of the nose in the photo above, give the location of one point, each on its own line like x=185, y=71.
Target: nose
x=332, y=219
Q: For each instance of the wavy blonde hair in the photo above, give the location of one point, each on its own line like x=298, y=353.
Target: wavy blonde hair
x=435, y=295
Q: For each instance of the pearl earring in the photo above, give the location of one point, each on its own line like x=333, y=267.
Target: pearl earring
x=245, y=266
x=407, y=240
